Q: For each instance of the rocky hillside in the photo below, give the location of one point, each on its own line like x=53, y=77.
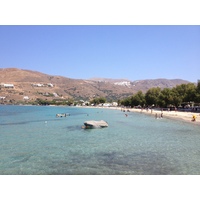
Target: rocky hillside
x=25, y=85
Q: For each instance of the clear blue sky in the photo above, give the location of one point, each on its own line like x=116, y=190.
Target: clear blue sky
x=83, y=52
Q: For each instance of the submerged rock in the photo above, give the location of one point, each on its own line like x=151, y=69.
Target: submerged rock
x=95, y=124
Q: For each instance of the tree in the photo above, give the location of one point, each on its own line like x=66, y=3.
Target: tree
x=197, y=97
x=198, y=86
x=165, y=97
x=137, y=99
x=152, y=96
x=187, y=92
x=102, y=100
x=177, y=100
x=99, y=100
x=126, y=101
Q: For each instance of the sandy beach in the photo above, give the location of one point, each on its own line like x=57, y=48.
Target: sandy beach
x=176, y=115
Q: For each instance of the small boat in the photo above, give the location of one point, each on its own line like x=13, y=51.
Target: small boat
x=95, y=124
x=62, y=115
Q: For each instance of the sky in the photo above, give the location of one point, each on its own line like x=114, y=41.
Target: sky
x=119, y=51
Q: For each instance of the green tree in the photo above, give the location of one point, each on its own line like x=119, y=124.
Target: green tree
x=102, y=100
x=99, y=100
x=198, y=86
x=126, y=101
x=197, y=97
x=187, y=92
x=165, y=97
x=152, y=96
x=177, y=100
x=137, y=99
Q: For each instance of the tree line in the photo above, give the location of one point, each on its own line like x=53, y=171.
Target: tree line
x=165, y=97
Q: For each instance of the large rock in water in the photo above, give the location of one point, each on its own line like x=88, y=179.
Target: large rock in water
x=95, y=124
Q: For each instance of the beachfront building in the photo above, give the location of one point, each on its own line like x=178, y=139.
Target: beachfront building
x=114, y=104
x=85, y=103
x=106, y=105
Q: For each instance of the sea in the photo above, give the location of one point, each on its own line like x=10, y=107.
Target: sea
x=33, y=141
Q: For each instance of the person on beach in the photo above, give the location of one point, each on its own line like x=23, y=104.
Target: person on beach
x=156, y=115
x=193, y=118
x=161, y=115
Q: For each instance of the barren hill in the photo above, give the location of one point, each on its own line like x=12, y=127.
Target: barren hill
x=30, y=85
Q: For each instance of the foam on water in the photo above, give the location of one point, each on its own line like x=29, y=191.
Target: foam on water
x=34, y=141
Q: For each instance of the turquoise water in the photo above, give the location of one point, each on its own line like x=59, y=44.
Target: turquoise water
x=34, y=141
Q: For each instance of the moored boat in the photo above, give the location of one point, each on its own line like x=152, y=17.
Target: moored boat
x=62, y=115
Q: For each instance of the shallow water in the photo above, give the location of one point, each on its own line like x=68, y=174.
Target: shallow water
x=34, y=141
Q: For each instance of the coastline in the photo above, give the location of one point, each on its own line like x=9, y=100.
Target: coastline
x=175, y=115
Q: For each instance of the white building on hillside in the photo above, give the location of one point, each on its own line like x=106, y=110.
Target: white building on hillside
x=50, y=85
x=3, y=85
x=26, y=98
x=42, y=85
x=55, y=94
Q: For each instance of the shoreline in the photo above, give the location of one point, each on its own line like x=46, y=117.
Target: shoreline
x=176, y=115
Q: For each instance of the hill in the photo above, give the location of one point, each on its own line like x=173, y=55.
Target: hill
x=26, y=85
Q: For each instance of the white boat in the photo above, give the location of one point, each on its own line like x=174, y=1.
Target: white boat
x=62, y=115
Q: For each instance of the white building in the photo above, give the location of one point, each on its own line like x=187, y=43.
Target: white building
x=7, y=85
x=26, y=98
x=123, y=83
x=55, y=94
x=106, y=104
x=85, y=103
x=50, y=85
x=114, y=104
x=42, y=85
x=38, y=85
